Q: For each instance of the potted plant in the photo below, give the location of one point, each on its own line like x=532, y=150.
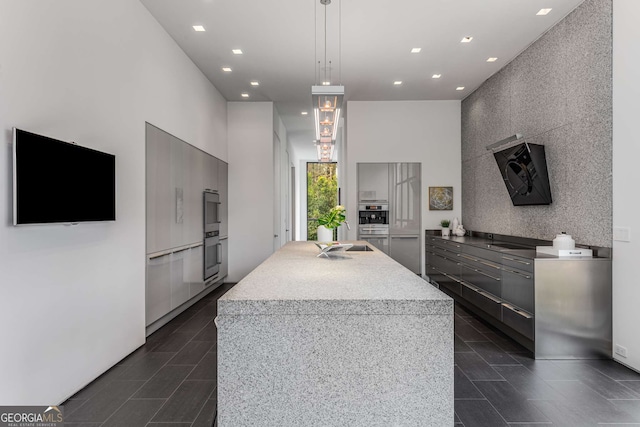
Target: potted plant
x=445, y=227
x=330, y=221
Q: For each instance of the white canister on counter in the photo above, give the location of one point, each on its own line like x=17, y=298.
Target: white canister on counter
x=454, y=224
x=564, y=241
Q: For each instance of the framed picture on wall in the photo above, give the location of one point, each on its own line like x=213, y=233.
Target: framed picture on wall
x=440, y=198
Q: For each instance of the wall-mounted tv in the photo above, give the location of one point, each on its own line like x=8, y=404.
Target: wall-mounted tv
x=60, y=182
x=524, y=171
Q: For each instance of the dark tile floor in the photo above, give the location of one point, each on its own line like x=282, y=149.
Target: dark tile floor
x=171, y=381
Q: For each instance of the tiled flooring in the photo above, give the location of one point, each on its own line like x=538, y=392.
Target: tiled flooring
x=171, y=381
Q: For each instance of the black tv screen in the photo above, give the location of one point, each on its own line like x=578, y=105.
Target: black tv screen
x=60, y=182
x=524, y=171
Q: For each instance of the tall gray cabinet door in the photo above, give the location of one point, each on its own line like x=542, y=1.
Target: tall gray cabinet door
x=160, y=229
x=224, y=265
x=211, y=173
x=223, y=188
x=404, y=209
x=177, y=189
x=151, y=168
x=373, y=182
x=194, y=170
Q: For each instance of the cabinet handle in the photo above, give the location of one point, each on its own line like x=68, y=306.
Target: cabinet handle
x=489, y=296
x=407, y=237
x=518, y=273
x=516, y=260
x=485, y=274
x=159, y=255
x=468, y=257
x=490, y=265
x=517, y=310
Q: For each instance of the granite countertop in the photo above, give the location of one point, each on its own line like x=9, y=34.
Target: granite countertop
x=295, y=281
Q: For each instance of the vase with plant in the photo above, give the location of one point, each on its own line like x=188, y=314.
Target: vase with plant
x=445, y=227
x=329, y=222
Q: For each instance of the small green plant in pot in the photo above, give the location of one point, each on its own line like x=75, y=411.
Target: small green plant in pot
x=445, y=227
x=330, y=221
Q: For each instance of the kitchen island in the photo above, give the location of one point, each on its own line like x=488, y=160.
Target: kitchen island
x=354, y=339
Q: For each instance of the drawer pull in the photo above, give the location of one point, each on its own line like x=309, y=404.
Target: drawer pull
x=489, y=296
x=517, y=310
x=518, y=273
x=482, y=272
x=490, y=265
x=468, y=257
x=516, y=260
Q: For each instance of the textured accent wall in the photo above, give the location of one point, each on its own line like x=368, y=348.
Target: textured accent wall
x=558, y=93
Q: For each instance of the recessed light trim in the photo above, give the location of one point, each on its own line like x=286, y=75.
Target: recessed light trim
x=227, y=69
x=244, y=95
x=416, y=50
x=543, y=12
x=466, y=39
x=199, y=28
x=436, y=76
x=397, y=83
x=255, y=83
x=460, y=88
x=492, y=59
x=237, y=51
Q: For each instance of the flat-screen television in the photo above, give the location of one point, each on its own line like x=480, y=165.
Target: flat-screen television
x=524, y=171
x=60, y=182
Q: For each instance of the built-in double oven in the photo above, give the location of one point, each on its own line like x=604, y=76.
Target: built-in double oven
x=212, y=245
x=373, y=224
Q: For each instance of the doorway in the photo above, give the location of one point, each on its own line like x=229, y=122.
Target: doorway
x=322, y=193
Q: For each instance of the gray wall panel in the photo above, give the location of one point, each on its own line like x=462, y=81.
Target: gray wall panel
x=558, y=93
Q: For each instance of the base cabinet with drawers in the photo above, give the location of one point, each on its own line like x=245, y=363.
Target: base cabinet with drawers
x=559, y=308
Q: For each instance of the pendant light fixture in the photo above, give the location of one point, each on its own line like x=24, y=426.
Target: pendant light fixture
x=327, y=105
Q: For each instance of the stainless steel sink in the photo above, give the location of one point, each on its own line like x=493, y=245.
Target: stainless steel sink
x=359, y=248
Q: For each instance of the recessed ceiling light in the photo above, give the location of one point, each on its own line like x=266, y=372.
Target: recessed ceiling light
x=255, y=83
x=244, y=94
x=460, y=88
x=397, y=82
x=304, y=113
x=543, y=12
x=226, y=69
x=492, y=59
x=199, y=28
x=466, y=39
x=416, y=50
x=436, y=76
x=326, y=83
x=237, y=51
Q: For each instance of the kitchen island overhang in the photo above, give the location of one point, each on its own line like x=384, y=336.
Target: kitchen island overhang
x=355, y=339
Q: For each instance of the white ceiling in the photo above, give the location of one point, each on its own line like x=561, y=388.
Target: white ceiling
x=368, y=44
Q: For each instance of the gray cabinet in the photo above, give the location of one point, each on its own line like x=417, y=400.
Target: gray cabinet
x=176, y=176
x=405, y=249
x=558, y=308
x=224, y=255
x=158, y=289
x=373, y=182
x=223, y=190
x=405, y=199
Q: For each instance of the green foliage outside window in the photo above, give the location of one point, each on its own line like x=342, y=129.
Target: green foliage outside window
x=322, y=194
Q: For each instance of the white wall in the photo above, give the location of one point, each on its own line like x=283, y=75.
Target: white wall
x=251, y=186
x=92, y=72
x=626, y=206
x=406, y=131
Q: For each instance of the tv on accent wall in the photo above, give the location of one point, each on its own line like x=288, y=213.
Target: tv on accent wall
x=524, y=171
x=60, y=182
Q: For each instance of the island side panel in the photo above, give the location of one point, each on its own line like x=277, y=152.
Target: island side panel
x=335, y=370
